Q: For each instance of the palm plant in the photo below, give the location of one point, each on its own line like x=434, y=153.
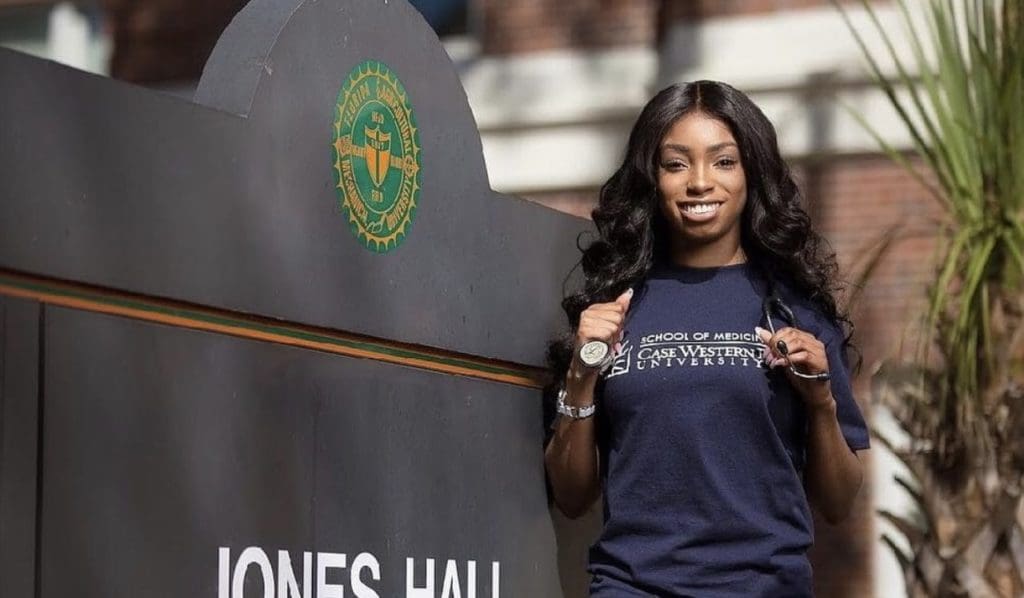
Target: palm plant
x=960, y=94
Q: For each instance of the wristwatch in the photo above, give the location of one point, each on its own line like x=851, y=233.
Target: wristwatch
x=595, y=354
x=572, y=411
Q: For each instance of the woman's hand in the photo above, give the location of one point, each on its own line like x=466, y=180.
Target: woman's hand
x=599, y=322
x=807, y=354
x=834, y=473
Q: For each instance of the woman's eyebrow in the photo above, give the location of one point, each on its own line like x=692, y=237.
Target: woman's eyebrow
x=720, y=146
x=685, y=149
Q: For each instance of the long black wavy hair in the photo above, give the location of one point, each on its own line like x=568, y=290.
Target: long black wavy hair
x=776, y=232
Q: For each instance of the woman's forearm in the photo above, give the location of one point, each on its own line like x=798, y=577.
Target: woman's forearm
x=571, y=456
x=834, y=472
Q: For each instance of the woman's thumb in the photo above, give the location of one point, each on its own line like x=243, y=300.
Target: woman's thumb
x=625, y=298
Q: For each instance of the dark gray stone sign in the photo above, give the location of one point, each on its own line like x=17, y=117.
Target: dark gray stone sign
x=282, y=340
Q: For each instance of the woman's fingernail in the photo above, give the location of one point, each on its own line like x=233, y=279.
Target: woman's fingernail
x=629, y=292
x=763, y=335
x=618, y=348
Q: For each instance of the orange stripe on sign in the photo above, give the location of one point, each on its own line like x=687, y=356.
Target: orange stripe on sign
x=196, y=317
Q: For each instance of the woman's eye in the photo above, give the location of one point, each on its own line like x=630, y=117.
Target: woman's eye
x=727, y=162
x=673, y=165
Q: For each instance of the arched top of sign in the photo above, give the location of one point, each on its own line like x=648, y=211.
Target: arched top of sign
x=287, y=65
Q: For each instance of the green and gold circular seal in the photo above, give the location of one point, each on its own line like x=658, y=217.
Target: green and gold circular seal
x=376, y=156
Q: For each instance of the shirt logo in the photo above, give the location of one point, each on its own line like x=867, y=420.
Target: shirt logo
x=377, y=162
x=688, y=350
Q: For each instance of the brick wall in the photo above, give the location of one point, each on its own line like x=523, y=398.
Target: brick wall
x=858, y=199
x=519, y=26
x=515, y=26
x=166, y=40
x=854, y=201
x=160, y=41
x=700, y=9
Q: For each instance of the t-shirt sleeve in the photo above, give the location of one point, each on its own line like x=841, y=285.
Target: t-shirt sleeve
x=851, y=420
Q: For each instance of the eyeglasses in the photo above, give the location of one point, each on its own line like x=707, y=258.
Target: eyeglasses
x=773, y=303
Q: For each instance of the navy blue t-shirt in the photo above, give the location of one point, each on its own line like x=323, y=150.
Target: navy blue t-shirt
x=703, y=448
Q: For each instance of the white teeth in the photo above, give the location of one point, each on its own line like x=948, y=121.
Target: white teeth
x=700, y=208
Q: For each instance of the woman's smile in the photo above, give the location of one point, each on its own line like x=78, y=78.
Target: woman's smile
x=702, y=211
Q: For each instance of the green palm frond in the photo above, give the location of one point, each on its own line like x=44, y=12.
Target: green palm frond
x=960, y=94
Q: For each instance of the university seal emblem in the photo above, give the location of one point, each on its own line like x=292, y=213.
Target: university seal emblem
x=376, y=149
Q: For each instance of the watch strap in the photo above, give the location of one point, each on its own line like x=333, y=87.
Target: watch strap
x=571, y=411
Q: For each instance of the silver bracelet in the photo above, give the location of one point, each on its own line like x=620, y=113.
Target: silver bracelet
x=571, y=411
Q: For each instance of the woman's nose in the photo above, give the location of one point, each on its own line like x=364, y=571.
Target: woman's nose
x=698, y=183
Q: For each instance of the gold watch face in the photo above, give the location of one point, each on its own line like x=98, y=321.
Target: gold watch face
x=593, y=353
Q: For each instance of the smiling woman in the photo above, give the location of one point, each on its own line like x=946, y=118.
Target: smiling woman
x=708, y=437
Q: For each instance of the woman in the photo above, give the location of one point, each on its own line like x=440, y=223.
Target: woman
x=714, y=427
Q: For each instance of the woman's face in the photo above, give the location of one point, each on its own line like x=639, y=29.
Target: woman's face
x=701, y=185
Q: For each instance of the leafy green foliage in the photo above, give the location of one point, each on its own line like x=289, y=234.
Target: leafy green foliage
x=961, y=97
